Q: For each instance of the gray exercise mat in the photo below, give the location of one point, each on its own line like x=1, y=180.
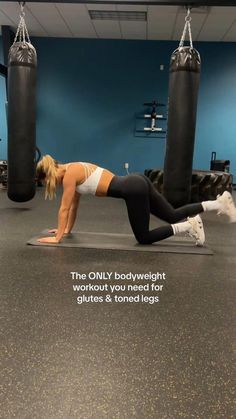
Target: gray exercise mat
x=112, y=241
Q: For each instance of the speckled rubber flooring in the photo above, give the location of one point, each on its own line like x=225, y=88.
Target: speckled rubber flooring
x=62, y=360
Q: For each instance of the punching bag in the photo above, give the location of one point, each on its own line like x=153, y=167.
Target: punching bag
x=22, y=64
x=182, y=108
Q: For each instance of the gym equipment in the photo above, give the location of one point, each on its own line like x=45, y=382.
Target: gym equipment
x=22, y=63
x=3, y=170
x=205, y=184
x=196, y=180
x=185, y=67
x=220, y=165
x=153, y=116
x=3, y=173
x=111, y=241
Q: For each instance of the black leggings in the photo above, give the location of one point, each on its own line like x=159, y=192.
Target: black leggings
x=142, y=199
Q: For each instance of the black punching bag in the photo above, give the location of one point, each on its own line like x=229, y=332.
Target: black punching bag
x=182, y=109
x=22, y=63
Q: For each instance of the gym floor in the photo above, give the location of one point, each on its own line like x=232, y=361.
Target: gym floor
x=168, y=360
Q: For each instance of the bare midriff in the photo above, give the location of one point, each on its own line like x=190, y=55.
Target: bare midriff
x=104, y=183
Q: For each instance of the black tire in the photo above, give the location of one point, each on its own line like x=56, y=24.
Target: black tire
x=206, y=185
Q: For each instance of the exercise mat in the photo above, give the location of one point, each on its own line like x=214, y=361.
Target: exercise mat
x=114, y=241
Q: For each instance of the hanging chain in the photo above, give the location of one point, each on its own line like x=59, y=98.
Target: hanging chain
x=187, y=26
x=22, y=31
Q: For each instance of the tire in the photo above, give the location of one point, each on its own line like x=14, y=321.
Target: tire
x=206, y=185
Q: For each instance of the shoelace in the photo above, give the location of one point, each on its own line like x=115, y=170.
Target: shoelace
x=194, y=233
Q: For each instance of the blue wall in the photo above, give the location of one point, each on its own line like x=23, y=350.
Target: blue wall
x=89, y=91
x=216, y=122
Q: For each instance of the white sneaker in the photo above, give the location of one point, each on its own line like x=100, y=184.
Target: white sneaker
x=197, y=230
x=227, y=206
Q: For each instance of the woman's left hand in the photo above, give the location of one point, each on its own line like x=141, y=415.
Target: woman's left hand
x=48, y=240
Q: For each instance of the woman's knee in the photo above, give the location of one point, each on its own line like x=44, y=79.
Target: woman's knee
x=143, y=238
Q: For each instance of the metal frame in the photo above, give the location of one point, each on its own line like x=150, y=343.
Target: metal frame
x=193, y=3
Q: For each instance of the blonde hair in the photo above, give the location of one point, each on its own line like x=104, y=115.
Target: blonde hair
x=46, y=170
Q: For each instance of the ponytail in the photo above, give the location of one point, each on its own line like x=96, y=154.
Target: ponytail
x=46, y=170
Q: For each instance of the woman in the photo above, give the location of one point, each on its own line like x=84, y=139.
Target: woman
x=140, y=196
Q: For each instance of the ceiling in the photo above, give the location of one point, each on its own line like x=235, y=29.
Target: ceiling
x=163, y=22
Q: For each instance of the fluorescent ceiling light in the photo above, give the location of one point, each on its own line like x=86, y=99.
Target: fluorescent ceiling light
x=117, y=15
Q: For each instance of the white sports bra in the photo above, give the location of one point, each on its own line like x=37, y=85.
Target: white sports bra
x=92, y=178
